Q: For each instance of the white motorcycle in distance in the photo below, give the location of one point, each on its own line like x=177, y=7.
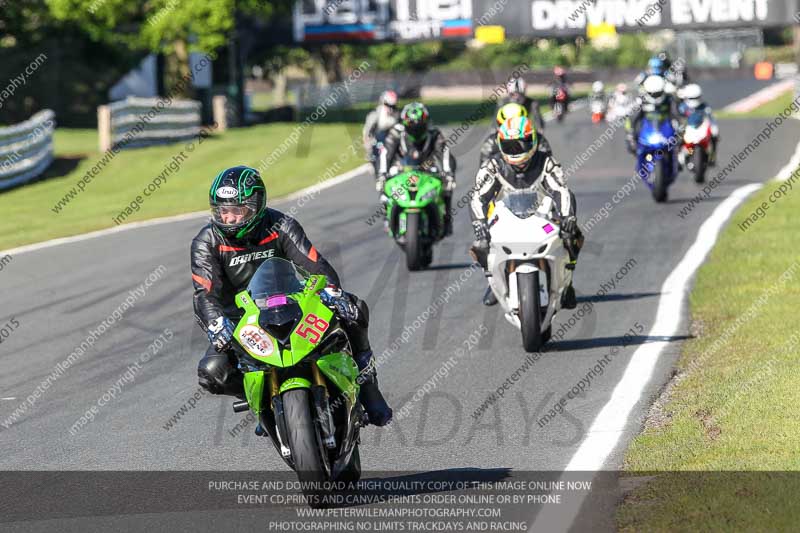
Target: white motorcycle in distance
x=527, y=264
x=598, y=103
x=598, y=109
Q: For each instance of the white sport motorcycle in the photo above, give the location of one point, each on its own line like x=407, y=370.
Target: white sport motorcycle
x=527, y=264
x=598, y=106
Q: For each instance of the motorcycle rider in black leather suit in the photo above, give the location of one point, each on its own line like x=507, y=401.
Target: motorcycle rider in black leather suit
x=414, y=133
x=242, y=234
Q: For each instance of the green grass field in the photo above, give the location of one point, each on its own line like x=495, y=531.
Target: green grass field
x=734, y=406
x=767, y=110
x=29, y=217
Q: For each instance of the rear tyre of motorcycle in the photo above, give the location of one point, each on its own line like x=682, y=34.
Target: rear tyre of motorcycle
x=530, y=315
x=659, y=183
x=699, y=160
x=304, y=444
x=414, y=251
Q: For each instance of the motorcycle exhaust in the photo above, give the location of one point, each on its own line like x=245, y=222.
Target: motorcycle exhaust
x=240, y=406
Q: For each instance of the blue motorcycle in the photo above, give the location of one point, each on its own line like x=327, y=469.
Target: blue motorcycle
x=657, y=156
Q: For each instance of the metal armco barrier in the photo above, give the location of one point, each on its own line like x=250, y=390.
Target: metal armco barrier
x=138, y=122
x=26, y=149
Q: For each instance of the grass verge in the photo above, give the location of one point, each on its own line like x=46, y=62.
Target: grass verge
x=766, y=110
x=733, y=405
x=28, y=216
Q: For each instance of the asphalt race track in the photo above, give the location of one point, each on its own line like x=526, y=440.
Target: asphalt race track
x=59, y=294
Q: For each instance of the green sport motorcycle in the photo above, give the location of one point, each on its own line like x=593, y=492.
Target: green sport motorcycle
x=415, y=212
x=300, y=379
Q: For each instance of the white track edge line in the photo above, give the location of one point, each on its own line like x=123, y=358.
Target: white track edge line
x=754, y=100
x=610, y=423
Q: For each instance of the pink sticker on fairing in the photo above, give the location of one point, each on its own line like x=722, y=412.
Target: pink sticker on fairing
x=547, y=228
x=275, y=301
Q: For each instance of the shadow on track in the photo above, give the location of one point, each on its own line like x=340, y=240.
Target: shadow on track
x=616, y=297
x=453, y=266
x=687, y=200
x=604, y=342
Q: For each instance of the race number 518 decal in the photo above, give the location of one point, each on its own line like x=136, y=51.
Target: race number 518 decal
x=312, y=328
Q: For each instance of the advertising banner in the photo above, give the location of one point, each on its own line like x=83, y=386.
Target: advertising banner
x=414, y=20
x=395, y=20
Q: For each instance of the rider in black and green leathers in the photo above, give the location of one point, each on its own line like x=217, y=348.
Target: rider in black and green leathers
x=414, y=134
x=242, y=234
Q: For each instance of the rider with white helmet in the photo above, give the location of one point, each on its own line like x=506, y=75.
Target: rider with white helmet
x=598, y=92
x=654, y=101
x=517, y=90
x=691, y=101
x=379, y=121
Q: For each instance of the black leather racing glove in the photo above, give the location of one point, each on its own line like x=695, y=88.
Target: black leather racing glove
x=630, y=143
x=220, y=333
x=342, y=305
x=571, y=234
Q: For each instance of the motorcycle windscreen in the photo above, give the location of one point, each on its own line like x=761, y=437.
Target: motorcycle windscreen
x=275, y=277
x=522, y=203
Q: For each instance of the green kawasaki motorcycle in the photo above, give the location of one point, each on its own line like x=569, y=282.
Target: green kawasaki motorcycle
x=415, y=211
x=300, y=379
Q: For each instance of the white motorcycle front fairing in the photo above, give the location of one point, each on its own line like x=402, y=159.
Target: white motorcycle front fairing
x=527, y=244
x=618, y=108
x=598, y=106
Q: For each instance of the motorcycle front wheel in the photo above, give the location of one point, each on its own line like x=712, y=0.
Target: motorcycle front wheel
x=659, y=183
x=529, y=311
x=699, y=159
x=304, y=445
x=414, y=252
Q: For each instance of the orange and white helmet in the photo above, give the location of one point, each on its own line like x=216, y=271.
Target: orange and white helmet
x=517, y=140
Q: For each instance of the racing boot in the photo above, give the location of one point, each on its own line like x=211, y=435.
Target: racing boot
x=217, y=375
x=489, y=299
x=568, y=299
x=448, y=224
x=370, y=396
x=448, y=216
x=712, y=156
